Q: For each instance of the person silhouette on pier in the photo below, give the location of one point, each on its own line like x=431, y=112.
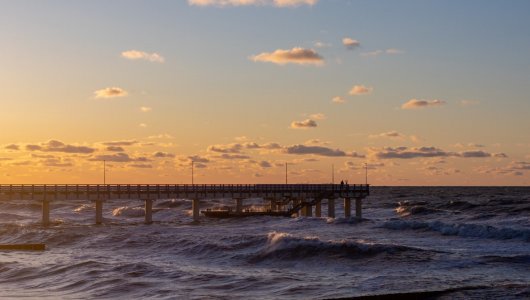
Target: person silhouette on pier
x=341, y=184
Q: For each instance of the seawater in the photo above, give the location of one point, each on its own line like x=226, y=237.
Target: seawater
x=472, y=242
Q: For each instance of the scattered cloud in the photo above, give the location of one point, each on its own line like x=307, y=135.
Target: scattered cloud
x=308, y=123
x=417, y=104
x=265, y=164
x=137, y=55
x=319, y=44
x=338, y=100
x=160, y=154
x=120, y=143
x=198, y=159
x=118, y=157
x=318, y=116
x=469, y=102
x=146, y=109
x=58, y=146
x=295, y=55
x=233, y=156
x=143, y=125
x=390, y=51
x=358, y=90
x=161, y=136
x=350, y=43
x=141, y=166
x=230, y=148
x=114, y=149
x=110, y=92
x=389, y=134
x=318, y=150
x=277, y=3
x=426, y=152
x=14, y=147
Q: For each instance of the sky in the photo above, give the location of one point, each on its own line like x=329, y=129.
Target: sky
x=422, y=92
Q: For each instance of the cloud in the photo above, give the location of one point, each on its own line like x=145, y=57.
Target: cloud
x=277, y=3
x=114, y=149
x=319, y=44
x=160, y=154
x=118, y=157
x=296, y=55
x=120, y=143
x=338, y=100
x=265, y=164
x=110, y=92
x=318, y=150
x=350, y=43
x=143, y=125
x=417, y=104
x=56, y=162
x=230, y=148
x=358, y=90
x=136, y=55
x=58, y=146
x=12, y=147
x=390, y=134
x=308, y=123
x=318, y=116
x=391, y=51
x=469, y=102
x=426, y=152
x=233, y=156
x=198, y=159
x=145, y=109
x=141, y=166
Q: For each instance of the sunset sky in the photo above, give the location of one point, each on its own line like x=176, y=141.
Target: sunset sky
x=425, y=92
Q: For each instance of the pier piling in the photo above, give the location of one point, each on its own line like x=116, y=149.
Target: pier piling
x=195, y=209
x=358, y=208
x=99, y=212
x=148, y=211
x=347, y=207
x=331, y=208
x=45, y=212
x=318, y=208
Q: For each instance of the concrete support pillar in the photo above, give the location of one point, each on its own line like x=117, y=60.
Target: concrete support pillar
x=331, y=208
x=273, y=205
x=148, y=211
x=347, y=207
x=195, y=209
x=45, y=212
x=309, y=210
x=359, y=208
x=296, y=202
x=99, y=212
x=239, y=205
x=318, y=209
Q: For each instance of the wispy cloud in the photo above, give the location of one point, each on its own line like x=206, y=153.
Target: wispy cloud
x=338, y=100
x=427, y=152
x=358, y=90
x=277, y=3
x=308, y=123
x=318, y=116
x=417, y=104
x=389, y=134
x=469, y=102
x=110, y=92
x=295, y=55
x=119, y=157
x=13, y=147
x=350, y=43
x=391, y=51
x=121, y=143
x=141, y=55
x=146, y=109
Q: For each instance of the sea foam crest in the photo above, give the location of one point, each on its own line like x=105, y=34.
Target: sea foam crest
x=128, y=211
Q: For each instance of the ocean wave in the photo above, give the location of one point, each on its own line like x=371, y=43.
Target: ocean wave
x=284, y=246
x=128, y=211
x=463, y=230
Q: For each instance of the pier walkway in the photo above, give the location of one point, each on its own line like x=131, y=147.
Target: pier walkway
x=297, y=197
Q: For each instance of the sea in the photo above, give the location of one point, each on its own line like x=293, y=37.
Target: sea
x=424, y=242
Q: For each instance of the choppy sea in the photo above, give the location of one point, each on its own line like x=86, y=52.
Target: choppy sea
x=453, y=242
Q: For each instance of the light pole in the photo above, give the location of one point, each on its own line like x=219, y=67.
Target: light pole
x=104, y=172
x=366, y=173
x=285, y=172
x=192, y=172
x=332, y=174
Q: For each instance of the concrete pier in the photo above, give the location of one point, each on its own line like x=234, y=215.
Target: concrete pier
x=331, y=208
x=148, y=211
x=359, y=208
x=308, y=210
x=195, y=208
x=347, y=207
x=99, y=212
x=45, y=212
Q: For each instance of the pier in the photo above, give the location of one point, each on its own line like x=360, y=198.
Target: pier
x=301, y=199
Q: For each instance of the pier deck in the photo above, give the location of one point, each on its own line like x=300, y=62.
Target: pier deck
x=297, y=197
